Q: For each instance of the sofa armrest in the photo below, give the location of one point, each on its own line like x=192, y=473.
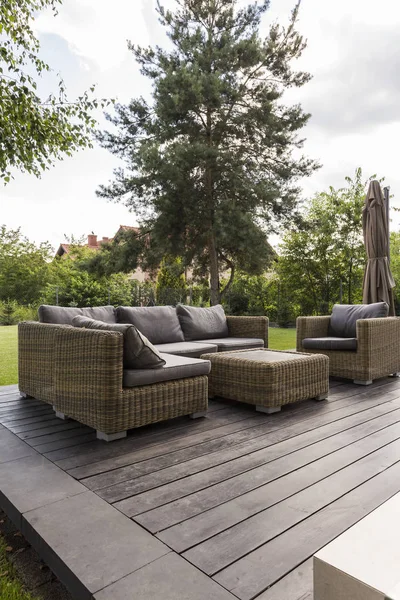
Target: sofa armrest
x=250, y=327
x=310, y=327
x=378, y=336
x=88, y=371
x=36, y=343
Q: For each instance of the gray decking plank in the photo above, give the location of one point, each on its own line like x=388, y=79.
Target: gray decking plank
x=46, y=421
x=245, y=513
x=38, y=436
x=66, y=443
x=137, y=440
x=59, y=436
x=95, y=453
x=210, y=469
x=192, y=483
x=19, y=417
x=255, y=572
x=222, y=437
x=296, y=585
x=244, y=495
x=32, y=420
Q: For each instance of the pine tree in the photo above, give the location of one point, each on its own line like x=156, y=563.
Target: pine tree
x=209, y=161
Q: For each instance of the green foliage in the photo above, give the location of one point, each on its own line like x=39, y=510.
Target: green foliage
x=24, y=267
x=252, y=295
x=395, y=266
x=171, y=285
x=121, y=255
x=71, y=285
x=35, y=131
x=8, y=312
x=209, y=162
x=325, y=247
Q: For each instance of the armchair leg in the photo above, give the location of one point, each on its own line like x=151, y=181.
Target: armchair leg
x=362, y=381
x=111, y=437
x=395, y=375
x=321, y=397
x=25, y=396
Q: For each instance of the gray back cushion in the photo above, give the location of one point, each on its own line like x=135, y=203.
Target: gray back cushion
x=159, y=324
x=202, y=323
x=345, y=316
x=139, y=353
x=63, y=315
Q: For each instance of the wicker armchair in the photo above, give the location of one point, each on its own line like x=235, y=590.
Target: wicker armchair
x=378, y=348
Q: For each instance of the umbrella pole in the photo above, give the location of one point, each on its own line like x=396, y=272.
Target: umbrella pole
x=386, y=198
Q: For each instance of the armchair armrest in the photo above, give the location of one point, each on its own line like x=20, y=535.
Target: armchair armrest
x=250, y=327
x=310, y=327
x=379, y=337
x=88, y=371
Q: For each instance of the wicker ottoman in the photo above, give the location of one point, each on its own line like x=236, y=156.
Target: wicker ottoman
x=268, y=378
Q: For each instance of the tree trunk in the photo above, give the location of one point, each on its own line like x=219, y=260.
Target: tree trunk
x=214, y=271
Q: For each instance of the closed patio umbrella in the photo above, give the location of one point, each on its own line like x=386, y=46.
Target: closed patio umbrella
x=378, y=279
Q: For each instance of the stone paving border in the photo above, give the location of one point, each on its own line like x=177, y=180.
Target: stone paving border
x=94, y=550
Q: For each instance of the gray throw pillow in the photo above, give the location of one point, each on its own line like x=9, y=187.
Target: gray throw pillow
x=202, y=323
x=63, y=315
x=139, y=353
x=159, y=324
x=345, y=316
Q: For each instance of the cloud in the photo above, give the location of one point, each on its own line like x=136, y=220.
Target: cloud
x=353, y=97
x=97, y=30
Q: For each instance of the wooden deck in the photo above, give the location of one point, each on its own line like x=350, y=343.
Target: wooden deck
x=246, y=498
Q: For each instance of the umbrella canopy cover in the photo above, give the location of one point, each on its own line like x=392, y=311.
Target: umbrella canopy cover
x=378, y=279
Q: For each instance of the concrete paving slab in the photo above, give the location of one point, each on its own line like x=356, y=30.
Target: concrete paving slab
x=34, y=481
x=168, y=578
x=88, y=543
x=12, y=448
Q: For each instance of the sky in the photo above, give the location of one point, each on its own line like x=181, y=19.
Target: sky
x=354, y=99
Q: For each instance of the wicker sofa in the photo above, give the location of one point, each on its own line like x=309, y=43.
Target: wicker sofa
x=370, y=352
x=80, y=372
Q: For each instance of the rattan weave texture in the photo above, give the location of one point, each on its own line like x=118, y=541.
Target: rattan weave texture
x=268, y=384
x=378, y=347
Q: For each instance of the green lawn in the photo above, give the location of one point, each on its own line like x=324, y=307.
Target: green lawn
x=279, y=339
x=8, y=355
x=282, y=339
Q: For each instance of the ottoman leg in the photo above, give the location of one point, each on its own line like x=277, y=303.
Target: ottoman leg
x=268, y=409
x=362, y=381
x=110, y=437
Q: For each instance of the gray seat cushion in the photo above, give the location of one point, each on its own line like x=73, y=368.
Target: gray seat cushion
x=176, y=367
x=190, y=349
x=330, y=343
x=63, y=315
x=232, y=343
x=139, y=353
x=345, y=316
x=202, y=323
x=160, y=324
